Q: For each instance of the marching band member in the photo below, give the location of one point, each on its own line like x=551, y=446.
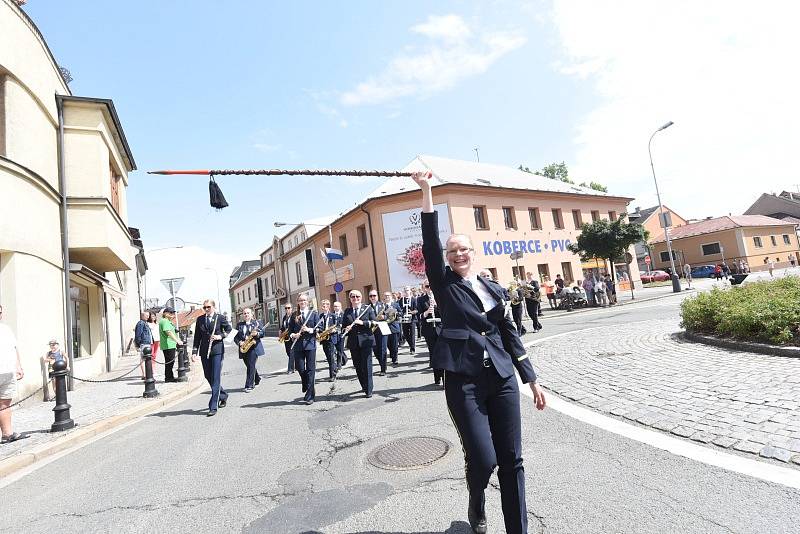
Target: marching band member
x=328, y=319
x=209, y=331
x=393, y=339
x=283, y=332
x=516, y=309
x=250, y=328
x=379, y=348
x=357, y=322
x=429, y=316
x=338, y=315
x=303, y=335
x=408, y=305
x=479, y=350
x=533, y=301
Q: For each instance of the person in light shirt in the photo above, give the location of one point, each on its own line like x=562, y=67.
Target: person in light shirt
x=10, y=372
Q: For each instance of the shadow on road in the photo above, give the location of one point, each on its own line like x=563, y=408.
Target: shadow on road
x=178, y=412
x=456, y=527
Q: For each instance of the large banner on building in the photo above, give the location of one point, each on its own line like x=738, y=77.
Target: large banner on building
x=402, y=236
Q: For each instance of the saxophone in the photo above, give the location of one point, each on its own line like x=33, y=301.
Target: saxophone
x=249, y=341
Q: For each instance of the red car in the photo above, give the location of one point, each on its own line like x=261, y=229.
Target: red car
x=654, y=276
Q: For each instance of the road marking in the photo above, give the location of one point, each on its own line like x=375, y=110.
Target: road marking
x=732, y=462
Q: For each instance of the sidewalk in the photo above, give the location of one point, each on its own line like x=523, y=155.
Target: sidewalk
x=95, y=408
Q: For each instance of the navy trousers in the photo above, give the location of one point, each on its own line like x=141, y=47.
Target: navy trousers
x=486, y=413
x=410, y=335
x=340, y=351
x=252, y=377
x=332, y=356
x=288, y=346
x=391, y=345
x=305, y=361
x=362, y=361
x=430, y=340
x=212, y=369
x=379, y=350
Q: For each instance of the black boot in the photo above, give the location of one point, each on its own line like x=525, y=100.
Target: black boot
x=476, y=513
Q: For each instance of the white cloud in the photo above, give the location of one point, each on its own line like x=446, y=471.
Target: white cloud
x=721, y=70
x=454, y=52
x=266, y=147
x=327, y=110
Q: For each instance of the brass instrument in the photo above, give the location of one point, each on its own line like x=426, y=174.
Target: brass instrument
x=327, y=333
x=283, y=336
x=249, y=341
x=513, y=290
x=380, y=317
x=530, y=292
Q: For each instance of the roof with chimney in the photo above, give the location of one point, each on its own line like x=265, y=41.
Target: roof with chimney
x=718, y=224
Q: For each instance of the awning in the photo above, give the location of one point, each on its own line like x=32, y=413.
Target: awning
x=96, y=279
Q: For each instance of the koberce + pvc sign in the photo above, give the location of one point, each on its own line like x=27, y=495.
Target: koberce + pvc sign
x=531, y=246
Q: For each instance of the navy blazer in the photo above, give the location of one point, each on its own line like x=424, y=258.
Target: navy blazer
x=306, y=341
x=469, y=331
x=202, y=335
x=423, y=304
x=243, y=330
x=329, y=319
x=394, y=326
x=360, y=335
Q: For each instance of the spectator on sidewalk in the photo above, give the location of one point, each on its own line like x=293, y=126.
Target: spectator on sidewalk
x=142, y=335
x=152, y=322
x=588, y=287
x=549, y=289
x=10, y=372
x=600, y=292
x=169, y=342
x=611, y=289
x=718, y=272
x=726, y=271
x=687, y=273
x=791, y=260
x=52, y=356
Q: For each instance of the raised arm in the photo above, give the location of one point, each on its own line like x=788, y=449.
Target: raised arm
x=431, y=244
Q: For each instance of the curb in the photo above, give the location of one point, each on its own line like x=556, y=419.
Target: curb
x=561, y=313
x=744, y=346
x=80, y=435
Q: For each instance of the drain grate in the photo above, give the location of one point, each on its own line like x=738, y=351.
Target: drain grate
x=409, y=453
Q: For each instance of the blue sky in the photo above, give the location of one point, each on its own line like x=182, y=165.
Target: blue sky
x=248, y=84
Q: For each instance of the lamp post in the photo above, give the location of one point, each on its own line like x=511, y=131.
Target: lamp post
x=330, y=238
x=145, y=274
x=676, y=282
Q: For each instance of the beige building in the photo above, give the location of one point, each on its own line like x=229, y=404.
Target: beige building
x=92, y=174
x=754, y=239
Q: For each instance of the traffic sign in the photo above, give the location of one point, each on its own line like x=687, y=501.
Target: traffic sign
x=647, y=260
x=338, y=287
x=172, y=284
x=177, y=303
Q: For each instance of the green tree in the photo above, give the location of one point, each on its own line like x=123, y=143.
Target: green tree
x=556, y=171
x=596, y=186
x=609, y=240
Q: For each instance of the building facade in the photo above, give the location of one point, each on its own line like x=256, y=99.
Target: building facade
x=102, y=299
x=649, y=219
x=754, y=239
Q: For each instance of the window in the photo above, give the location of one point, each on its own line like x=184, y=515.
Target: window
x=509, y=219
x=595, y=215
x=665, y=256
x=302, y=235
x=296, y=241
x=114, y=193
x=566, y=272
x=711, y=248
x=365, y=295
x=536, y=221
x=343, y=245
x=480, y=217
x=773, y=240
x=272, y=282
x=493, y=270
x=299, y=272
x=248, y=294
x=328, y=245
x=270, y=258
x=518, y=272
x=612, y=215
x=544, y=270
x=577, y=219
x=81, y=334
x=558, y=221
x=786, y=240
x=757, y=242
x=361, y=232
x=238, y=300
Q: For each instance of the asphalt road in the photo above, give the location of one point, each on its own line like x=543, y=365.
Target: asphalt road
x=267, y=463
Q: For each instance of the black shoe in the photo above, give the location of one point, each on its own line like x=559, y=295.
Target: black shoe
x=309, y=402
x=476, y=514
x=211, y=413
x=382, y=373
x=170, y=380
x=223, y=403
x=438, y=381
x=369, y=395
x=304, y=388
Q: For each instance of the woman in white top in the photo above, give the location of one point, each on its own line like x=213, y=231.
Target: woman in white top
x=152, y=322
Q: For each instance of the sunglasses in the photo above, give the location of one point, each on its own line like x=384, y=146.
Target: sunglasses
x=355, y=296
x=207, y=307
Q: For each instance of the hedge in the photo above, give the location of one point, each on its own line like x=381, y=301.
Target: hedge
x=766, y=311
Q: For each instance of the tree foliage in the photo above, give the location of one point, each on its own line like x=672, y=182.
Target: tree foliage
x=609, y=240
x=560, y=172
x=596, y=186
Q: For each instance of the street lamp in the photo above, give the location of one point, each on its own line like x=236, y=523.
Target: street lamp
x=676, y=282
x=145, y=274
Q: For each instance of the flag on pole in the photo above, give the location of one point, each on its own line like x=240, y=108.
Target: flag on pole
x=333, y=254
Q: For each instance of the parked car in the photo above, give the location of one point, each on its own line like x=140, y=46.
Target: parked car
x=703, y=271
x=655, y=276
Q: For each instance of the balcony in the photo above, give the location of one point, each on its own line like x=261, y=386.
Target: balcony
x=97, y=236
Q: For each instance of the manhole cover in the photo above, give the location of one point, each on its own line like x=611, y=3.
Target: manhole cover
x=409, y=453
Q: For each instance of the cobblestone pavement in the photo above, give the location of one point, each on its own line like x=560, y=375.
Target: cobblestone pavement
x=643, y=372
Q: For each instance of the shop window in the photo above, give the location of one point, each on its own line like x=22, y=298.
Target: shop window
x=81, y=332
x=566, y=272
x=361, y=232
x=509, y=218
x=595, y=215
x=544, y=271
x=480, y=217
x=299, y=272
x=757, y=242
x=577, y=219
x=343, y=245
x=773, y=240
x=612, y=215
x=558, y=220
x=786, y=240
x=710, y=249
x=536, y=221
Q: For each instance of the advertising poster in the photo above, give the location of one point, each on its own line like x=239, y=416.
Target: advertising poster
x=402, y=235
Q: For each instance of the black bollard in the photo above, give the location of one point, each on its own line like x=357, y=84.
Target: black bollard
x=182, y=361
x=63, y=421
x=150, y=390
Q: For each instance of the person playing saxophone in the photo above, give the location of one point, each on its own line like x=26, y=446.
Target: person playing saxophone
x=329, y=337
x=248, y=338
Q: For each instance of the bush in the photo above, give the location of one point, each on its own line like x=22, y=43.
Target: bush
x=766, y=311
